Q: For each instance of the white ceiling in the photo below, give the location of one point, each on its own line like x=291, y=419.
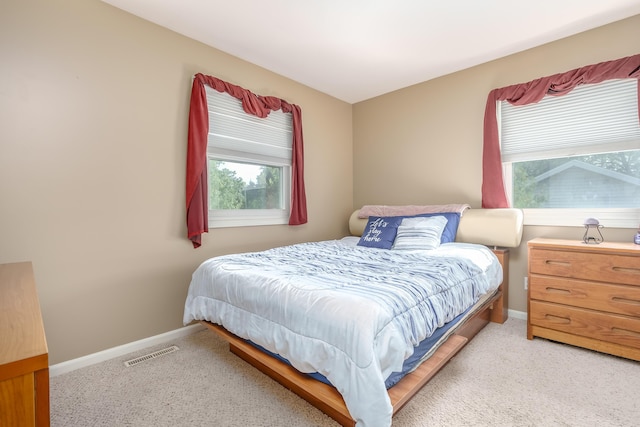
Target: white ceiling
x=358, y=49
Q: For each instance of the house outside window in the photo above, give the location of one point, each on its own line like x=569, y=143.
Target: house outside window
x=575, y=156
x=582, y=182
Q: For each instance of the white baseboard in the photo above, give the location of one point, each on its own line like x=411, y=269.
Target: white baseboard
x=110, y=353
x=522, y=315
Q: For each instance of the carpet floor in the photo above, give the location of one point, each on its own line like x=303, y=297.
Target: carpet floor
x=499, y=379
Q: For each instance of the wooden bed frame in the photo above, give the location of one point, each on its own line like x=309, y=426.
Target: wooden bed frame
x=329, y=400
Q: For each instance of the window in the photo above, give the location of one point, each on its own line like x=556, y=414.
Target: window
x=575, y=156
x=249, y=164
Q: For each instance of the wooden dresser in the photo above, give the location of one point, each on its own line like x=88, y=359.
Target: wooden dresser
x=585, y=295
x=24, y=359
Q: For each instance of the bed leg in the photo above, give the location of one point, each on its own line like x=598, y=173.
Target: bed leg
x=500, y=309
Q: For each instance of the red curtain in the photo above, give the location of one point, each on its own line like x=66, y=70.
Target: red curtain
x=493, y=193
x=261, y=106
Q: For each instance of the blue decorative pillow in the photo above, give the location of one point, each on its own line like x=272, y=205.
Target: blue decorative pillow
x=450, y=230
x=380, y=232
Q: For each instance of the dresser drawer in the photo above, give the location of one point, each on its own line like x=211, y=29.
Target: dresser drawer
x=608, y=268
x=607, y=297
x=607, y=327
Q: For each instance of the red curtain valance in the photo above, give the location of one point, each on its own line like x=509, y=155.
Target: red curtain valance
x=261, y=106
x=493, y=193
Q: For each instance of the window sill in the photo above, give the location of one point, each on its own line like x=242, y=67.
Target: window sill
x=247, y=218
x=611, y=218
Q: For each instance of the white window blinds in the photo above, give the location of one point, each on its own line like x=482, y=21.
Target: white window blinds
x=593, y=118
x=235, y=133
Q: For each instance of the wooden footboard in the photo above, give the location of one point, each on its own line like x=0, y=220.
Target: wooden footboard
x=329, y=400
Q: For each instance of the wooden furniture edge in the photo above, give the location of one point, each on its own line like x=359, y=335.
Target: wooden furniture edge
x=617, y=249
x=621, y=248
x=30, y=362
x=319, y=394
x=413, y=382
x=327, y=399
x=501, y=313
x=25, y=366
x=43, y=404
x=586, y=342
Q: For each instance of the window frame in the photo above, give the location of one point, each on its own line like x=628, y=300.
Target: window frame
x=610, y=217
x=223, y=218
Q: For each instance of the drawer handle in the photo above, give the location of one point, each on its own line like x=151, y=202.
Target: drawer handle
x=625, y=300
x=626, y=332
x=558, y=319
x=626, y=270
x=558, y=290
x=553, y=262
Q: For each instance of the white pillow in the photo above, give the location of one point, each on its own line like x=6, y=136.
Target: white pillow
x=419, y=233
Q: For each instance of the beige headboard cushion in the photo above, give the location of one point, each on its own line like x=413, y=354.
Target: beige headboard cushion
x=491, y=227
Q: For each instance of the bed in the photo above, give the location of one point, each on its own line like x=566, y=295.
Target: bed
x=358, y=330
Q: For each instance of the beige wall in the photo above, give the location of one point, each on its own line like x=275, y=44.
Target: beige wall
x=93, y=123
x=423, y=144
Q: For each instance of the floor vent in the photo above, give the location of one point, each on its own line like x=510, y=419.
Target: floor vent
x=150, y=356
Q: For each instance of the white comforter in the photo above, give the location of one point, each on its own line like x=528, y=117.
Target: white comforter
x=353, y=314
